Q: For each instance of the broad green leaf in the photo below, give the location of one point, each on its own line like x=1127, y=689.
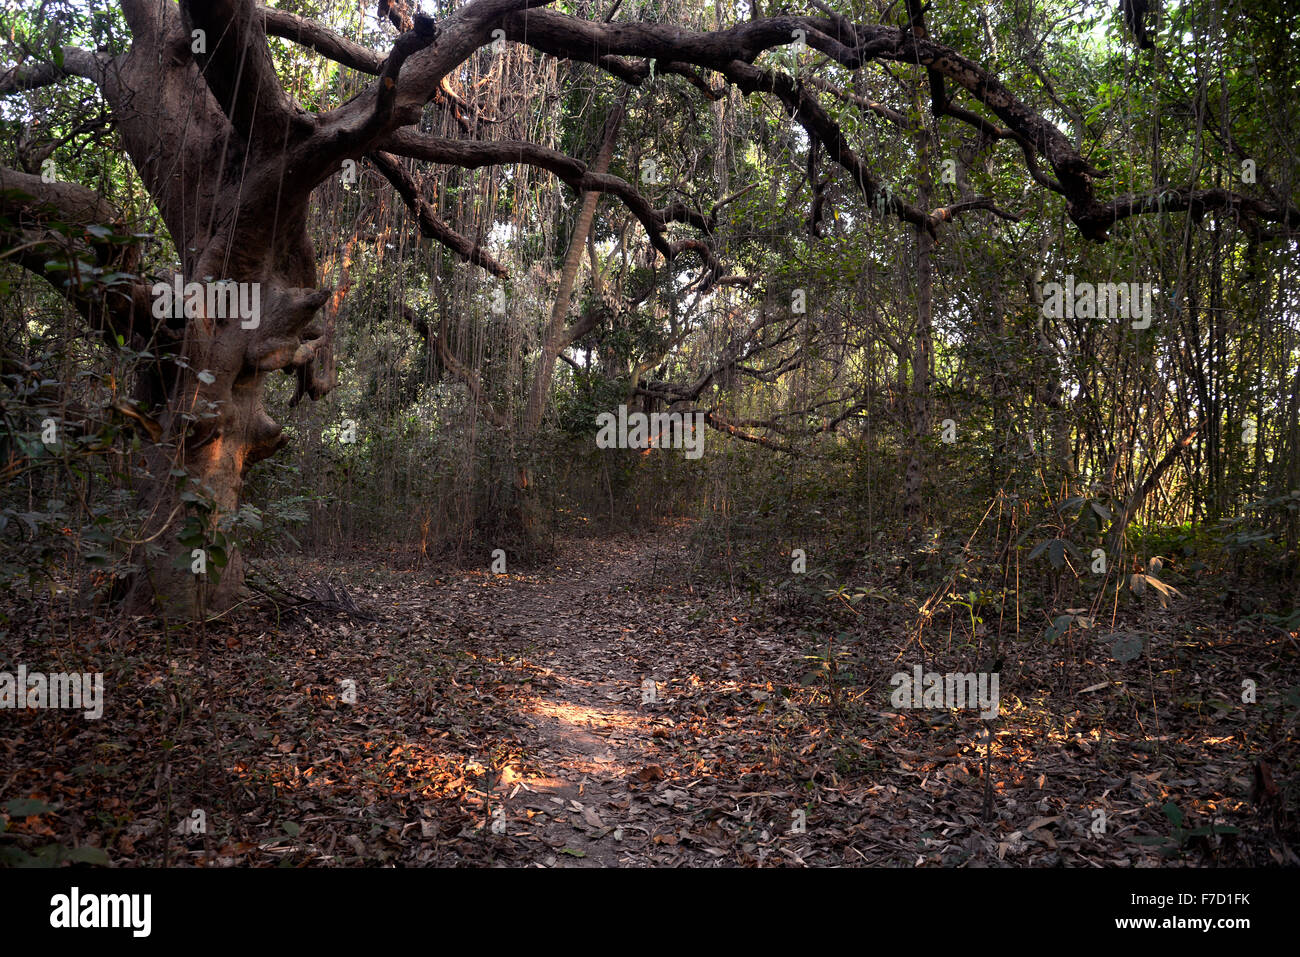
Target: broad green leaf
x=25, y=807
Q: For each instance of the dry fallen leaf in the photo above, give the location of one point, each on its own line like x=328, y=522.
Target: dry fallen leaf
x=651, y=772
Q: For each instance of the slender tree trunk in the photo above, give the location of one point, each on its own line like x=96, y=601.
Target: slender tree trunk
x=921, y=341
x=1123, y=519
x=559, y=335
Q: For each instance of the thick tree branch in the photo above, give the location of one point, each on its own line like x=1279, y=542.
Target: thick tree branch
x=420, y=36
x=237, y=67
x=733, y=51
x=76, y=62
x=318, y=37
x=44, y=226
x=1197, y=202
x=716, y=421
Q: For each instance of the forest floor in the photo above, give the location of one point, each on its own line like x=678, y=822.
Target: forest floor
x=605, y=711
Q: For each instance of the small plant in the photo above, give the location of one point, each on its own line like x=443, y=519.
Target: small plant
x=1180, y=836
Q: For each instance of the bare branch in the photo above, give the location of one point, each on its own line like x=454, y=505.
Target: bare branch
x=716, y=421
x=573, y=172
x=318, y=37
x=453, y=365
x=430, y=224
x=420, y=36
x=946, y=213
x=76, y=62
x=733, y=51
x=1197, y=202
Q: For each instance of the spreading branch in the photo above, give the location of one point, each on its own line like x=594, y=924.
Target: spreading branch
x=429, y=223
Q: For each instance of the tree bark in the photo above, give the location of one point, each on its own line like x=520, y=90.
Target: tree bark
x=919, y=404
x=559, y=335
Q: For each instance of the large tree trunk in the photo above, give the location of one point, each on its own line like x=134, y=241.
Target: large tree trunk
x=231, y=161
x=215, y=455
x=213, y=137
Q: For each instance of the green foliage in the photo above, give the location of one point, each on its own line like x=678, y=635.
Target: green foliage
x=583, y=396
x=1180, y=836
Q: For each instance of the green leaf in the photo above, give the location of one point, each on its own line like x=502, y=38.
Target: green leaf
x=1213, y=829
x=25, y=807
x=291, y=828
x=13, y=857
x=191, y=538
x=1174, y=814
x=87, y=855
x=1125, y=648
x=1058, y=628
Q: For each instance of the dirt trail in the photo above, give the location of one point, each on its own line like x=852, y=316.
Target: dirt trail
x=602, y=634
x=605, y=711
x=659, y=725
